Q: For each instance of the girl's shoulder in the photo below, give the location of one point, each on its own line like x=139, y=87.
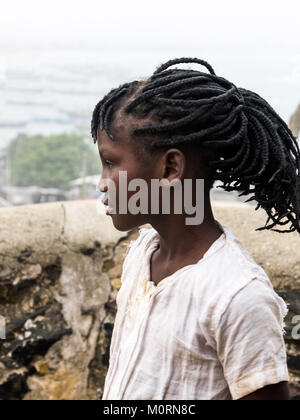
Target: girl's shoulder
x=144, y=237
x=135, y=253
x=139, y=245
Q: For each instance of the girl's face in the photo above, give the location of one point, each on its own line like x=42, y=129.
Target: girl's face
x=120, y=155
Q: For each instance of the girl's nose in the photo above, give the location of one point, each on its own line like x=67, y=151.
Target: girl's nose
x=102, y=185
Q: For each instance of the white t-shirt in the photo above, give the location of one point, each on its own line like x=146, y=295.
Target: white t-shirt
x=210, y=331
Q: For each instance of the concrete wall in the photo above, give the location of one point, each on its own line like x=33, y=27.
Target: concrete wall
x=60, y=268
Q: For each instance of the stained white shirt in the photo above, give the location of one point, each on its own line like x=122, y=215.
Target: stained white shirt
x=210, y=331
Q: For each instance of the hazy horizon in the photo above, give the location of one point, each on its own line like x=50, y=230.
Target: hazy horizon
x=254, y=44
x=273, y=72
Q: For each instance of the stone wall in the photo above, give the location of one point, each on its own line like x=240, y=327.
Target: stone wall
x=60, y=268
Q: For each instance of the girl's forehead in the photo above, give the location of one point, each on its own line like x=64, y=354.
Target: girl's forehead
x=120, y=144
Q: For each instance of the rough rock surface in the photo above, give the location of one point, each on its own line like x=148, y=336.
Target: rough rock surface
x=60, y=268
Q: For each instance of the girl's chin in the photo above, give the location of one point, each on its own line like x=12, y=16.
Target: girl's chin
x=123, y=223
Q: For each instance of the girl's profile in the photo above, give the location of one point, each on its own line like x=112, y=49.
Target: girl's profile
x=197, y=317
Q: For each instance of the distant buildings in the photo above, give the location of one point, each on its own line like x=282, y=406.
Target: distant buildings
x=80, y=188
x=84, y=186
x=16, y=196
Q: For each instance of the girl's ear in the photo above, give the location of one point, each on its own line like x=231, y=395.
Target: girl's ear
x=174, y=164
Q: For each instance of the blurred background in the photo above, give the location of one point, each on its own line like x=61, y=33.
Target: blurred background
x=61, y=264
x=58, y=59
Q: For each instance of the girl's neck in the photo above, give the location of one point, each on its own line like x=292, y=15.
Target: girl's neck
x=178, y=240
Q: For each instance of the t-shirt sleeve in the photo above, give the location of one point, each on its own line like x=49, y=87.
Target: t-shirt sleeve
x=249, y=338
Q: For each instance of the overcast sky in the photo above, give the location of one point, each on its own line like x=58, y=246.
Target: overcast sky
x=254, y=43
x=156, y=20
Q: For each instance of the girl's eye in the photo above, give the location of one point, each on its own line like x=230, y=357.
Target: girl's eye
x=108, y=163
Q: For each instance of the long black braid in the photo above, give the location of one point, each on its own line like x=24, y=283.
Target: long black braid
x=254, y=150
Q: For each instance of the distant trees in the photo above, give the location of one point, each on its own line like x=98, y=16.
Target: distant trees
x=51, y=161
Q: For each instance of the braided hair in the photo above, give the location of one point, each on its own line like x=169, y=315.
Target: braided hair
x=254, y=150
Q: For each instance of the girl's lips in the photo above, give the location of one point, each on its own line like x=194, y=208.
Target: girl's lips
x=105, y=202
x=108, y=210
